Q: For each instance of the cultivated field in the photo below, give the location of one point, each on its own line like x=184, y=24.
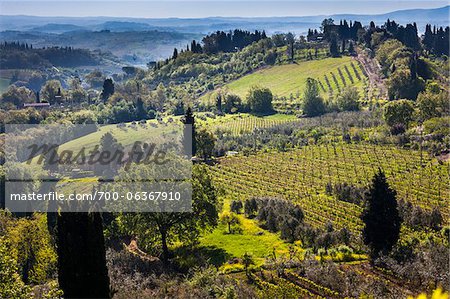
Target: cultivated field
x=301, y=176
x=290, y=79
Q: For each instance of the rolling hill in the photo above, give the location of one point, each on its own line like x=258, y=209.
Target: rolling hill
x=289, y=79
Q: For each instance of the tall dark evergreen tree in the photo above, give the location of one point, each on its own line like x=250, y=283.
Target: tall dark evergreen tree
x=2, y=188
x=263, y=35
x=409, y=37
x=334, y=50
x=82, y=271
x=140, y=109
x=437, y=40
x=108, y=89
x=219, y=103
x=313, y=104
x=175, y=53
x=381, y=217
x=290, y=39
x=428, y=38
x=351, y=48
x=189, y=131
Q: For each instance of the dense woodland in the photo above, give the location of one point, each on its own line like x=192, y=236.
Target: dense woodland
x=336, y=190
x=18, y=55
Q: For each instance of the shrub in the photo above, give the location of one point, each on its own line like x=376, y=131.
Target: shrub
x=398, y=129
x=398, y=112
x=231, y=104
x=259, y=100
x=250, y=207
x=236, y=206
x=11, y=286
x=231, y=220
x=313, y=104
x=402, y=86
x=348, y=99
x=432, y=104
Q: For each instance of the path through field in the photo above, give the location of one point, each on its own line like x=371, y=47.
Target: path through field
x=377, y=87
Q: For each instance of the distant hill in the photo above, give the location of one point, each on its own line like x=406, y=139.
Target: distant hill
x=57, y=28
x=299, y=25
x=437, y=16
x=117, y=26
x=430, y=15
x=133, y=47
x=139, y=40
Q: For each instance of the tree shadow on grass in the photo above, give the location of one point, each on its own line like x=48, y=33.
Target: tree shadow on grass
x=263, y=114
x=201, y=256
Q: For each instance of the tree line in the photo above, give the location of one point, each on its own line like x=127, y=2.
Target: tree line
x=25, y=56
x=435, y=40
x=221, y=41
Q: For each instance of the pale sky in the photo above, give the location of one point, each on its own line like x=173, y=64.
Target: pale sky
x=198, y=9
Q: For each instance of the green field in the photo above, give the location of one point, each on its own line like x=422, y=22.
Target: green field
x=290, y=79
x=237, y=123
x=127, y=135
x=253, y=240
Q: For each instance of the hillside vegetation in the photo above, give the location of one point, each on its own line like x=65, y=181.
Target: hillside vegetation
x=289, y=80
x=24, y=56
x=319, y=169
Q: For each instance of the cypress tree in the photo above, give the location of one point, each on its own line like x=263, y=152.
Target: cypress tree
x=2, y=189
x=175, y=53
x=428, y=37
x=351, y=48
x=334, y=51
x=381, y=217
x=140, y=109
x=108, y=89
x=219, y=103
x=313, y=104
x=82, y=271
x=189, y=131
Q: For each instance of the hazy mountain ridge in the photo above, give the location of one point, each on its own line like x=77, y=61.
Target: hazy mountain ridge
x=437, y=16
x=139, y=40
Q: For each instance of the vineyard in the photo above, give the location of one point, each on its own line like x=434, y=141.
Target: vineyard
x=349, y=75
x=247, y=124
x=301, y=176
x=287, y=81
x=292, y=285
